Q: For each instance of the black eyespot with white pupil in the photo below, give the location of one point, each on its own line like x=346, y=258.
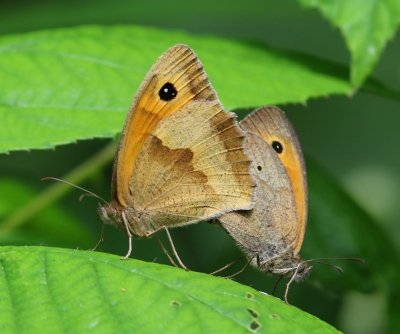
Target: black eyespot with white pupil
x=277, y=146
x=167, y=92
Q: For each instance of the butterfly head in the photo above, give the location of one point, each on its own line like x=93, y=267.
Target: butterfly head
x=109, y=214
x=126, y=218
x=302, y=271
x=113, y=213
x=282, y=264
x=297, y=269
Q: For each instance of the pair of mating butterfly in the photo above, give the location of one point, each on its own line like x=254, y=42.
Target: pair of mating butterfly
x=182, y=159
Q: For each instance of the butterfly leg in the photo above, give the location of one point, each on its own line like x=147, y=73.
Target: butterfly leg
x=166, y=252
x=171, y=243
x=129, y=235
x=243, y=269
x=288, y=284
x=276, y=285
x=101, y=239
x=225, y=267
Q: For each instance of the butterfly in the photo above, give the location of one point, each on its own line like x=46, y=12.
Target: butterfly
x=181, y=158
x=271, y=234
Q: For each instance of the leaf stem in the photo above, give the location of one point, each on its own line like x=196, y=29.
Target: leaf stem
x=57, y=190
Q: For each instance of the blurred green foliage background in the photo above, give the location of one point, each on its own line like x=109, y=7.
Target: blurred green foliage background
x=355, y=139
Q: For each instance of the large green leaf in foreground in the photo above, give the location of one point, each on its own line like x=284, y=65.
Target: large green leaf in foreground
x=67, y=291
x=59, y=86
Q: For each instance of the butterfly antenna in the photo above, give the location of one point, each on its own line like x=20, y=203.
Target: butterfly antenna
x=357, y=259
x=333, y=266
x=320, y=261
x=81, y=197
x=86, y=192
x=338, y=268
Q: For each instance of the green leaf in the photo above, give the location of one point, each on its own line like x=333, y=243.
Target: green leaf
x=339, y=227
x=366, y=25
x=60, y=290
x=393, y=306
x=58, y=227
x=59, y=86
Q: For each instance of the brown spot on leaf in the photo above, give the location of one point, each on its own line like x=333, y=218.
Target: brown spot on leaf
x=274, y=316
x=253, y=312
x=255, y=325
x=249, y=295
x=175, y=303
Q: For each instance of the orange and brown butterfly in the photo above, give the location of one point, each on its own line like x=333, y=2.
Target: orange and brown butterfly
x=181, y=158
x=272, y=233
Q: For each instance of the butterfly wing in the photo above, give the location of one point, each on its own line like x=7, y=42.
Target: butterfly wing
x=271, y=124
x=278, y=220
x=178, y=66
x=181, y=158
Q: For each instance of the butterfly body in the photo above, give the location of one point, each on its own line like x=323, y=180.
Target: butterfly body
x=181, y=158
x=271, y=234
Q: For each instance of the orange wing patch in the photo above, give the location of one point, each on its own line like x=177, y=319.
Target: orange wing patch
x=178, y=74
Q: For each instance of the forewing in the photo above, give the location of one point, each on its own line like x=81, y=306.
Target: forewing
x=193, y=167
x=178, y=66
